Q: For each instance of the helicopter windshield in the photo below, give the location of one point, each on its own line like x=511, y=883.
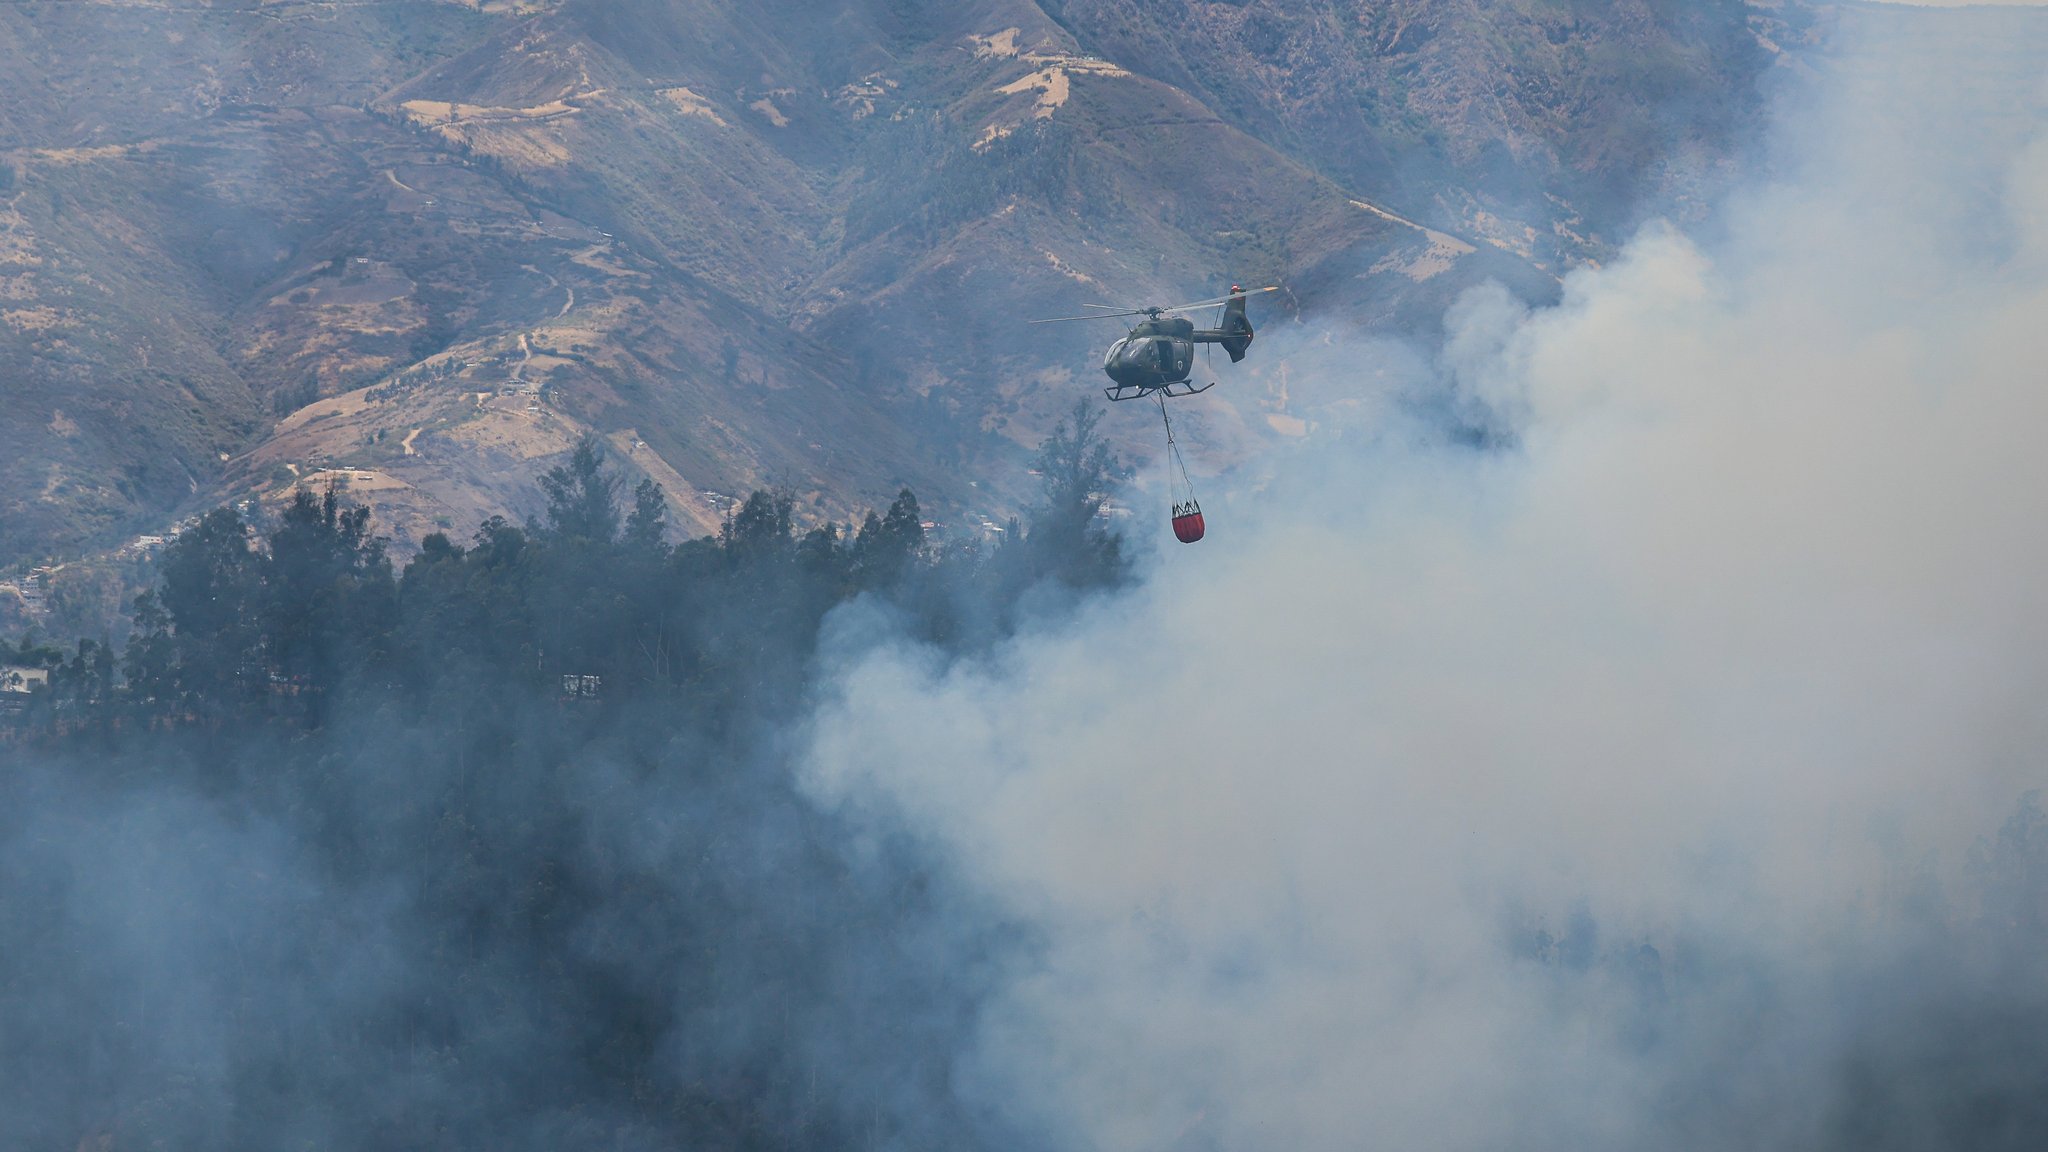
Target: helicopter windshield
x=1109, y=357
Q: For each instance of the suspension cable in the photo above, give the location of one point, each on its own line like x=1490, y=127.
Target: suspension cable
x=1176, y=461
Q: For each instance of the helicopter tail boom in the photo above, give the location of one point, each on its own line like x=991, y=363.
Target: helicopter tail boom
x=1237, y=329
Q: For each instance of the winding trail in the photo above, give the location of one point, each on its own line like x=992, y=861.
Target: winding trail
x=525, y=358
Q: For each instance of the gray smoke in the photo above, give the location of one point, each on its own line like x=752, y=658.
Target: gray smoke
x=1636, y=784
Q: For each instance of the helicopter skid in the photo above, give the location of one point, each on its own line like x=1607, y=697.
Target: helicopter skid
x=1172, y=391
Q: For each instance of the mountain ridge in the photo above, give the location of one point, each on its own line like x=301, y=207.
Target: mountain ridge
x=770, y=244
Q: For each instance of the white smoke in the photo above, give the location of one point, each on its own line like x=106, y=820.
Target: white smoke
x=1744, y=639
x=1966, y=3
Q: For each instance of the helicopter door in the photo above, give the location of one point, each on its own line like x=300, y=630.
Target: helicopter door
x=1164, y=350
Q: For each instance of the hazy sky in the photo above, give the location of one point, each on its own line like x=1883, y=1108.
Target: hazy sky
x=1737, y=647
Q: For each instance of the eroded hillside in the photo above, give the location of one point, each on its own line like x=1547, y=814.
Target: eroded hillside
x=421, y=248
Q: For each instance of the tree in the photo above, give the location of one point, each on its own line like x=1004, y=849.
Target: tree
x=888, y=543
x=760, y=529
x=648, y=523
x=87, y=680
x=820, y=556
x=1068, y=540
x=150, y=662
x=329, y=598
x=582, y=496
x=463, y=612
x=210, y=591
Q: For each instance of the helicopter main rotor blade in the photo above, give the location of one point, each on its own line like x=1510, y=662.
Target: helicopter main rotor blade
x=1108, y=315
x=1095, y=316
x=1221, y=299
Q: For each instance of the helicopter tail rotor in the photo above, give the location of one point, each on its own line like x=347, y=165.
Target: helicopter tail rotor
x=1236, y=326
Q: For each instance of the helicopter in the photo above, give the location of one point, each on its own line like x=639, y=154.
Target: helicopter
x=1158, y=360
x=1158, y=357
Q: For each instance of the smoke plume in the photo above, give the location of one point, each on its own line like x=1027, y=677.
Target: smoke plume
x=1644, y=779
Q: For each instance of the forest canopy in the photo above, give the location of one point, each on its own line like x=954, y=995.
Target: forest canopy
x=291, y=622
x=500, y=848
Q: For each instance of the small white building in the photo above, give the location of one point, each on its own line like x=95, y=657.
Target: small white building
x=23, y=679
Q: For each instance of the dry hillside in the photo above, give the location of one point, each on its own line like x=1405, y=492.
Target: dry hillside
x=424, y=246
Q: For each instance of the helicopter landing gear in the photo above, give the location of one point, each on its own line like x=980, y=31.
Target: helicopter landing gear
x=1175, y=390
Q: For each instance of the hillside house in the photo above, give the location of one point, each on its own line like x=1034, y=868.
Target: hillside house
x=31, y=591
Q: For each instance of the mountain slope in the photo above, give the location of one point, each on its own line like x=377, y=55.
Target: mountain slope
x=1536, y=124
x=424, y=247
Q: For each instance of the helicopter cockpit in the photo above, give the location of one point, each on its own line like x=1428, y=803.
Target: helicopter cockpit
x=1161, y=354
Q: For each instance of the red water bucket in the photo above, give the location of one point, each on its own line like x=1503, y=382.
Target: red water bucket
x=1187, y=526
